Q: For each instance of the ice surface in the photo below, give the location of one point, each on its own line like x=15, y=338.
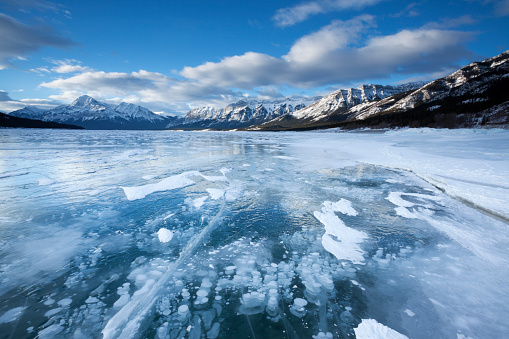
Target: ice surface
x=407, y=227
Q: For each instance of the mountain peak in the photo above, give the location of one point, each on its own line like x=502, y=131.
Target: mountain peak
x=85, y=101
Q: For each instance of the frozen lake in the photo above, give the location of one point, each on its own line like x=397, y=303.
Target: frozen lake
x=155, y=234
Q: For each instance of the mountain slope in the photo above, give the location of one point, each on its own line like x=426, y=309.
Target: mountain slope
x=474, y=95
x=8, y=121
x=89, y=113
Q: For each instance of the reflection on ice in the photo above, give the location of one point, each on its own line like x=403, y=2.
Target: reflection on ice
x=233, y=235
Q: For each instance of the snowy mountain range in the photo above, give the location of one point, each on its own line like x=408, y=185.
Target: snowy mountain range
x=475, y=94
x=243, y=113
x=340, y=101
x=89, y=113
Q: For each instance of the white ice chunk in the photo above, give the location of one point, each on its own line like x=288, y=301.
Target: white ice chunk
x=11, y=315
x=409, y=313
x=183, y=309
x=372, y=329
x=50, y=332
x=198, y=202
x=52, y=312
x=65, y=302
x=170, y=183
x=215, y=193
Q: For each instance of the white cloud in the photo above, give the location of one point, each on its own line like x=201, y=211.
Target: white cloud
x=292, y=15
x=502, y=7
x=40, y=71
x=7, y=104
x=242, y=71
x=452, y=22
x=113, y=83
x=338, y=35
x=4, y=96
x=19, y=39
x=69, y=66
x=409, y=11
x=331, y=56
x=338, y=53
x=427, y=77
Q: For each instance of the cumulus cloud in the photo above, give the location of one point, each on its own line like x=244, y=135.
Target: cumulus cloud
x=4, y=96
x=290, y=16
x=19, y=39
x=242, y=71
x=331, y=55
x=338, y=53
x=7, y=104
x=336, y=36
x=69, y=66
x=113, y=83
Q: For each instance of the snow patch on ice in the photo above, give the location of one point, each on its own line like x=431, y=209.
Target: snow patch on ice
x=342, y=241
x=372, y=329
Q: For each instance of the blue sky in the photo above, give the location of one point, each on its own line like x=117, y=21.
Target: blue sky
x=171, y=56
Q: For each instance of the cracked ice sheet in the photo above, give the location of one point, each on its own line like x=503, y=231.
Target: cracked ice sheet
x=468, y=164
x=471, y=235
